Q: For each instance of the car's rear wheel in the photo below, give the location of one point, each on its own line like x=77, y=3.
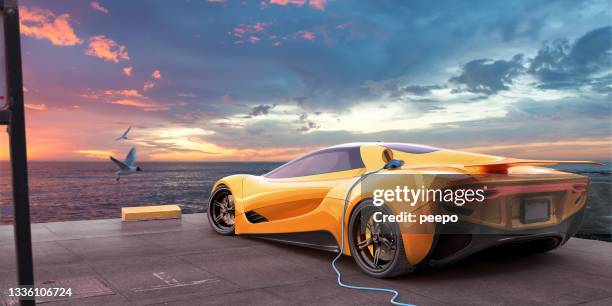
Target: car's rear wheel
x=221, y=211
x=376, y=247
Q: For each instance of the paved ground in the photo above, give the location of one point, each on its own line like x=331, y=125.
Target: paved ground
x=183, y=262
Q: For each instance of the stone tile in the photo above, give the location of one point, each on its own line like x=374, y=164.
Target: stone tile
x=199, y=240
x=327, y=292
x=156, y=279
x=105, y=248
x=39, y=233
x=242, y=297
x=45, y=254
x=250, y=267
x=316, y=261
x=602, y=248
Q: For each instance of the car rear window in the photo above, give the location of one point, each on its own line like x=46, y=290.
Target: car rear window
x=324, y=161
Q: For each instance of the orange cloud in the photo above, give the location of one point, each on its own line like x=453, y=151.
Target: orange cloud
x=127, y=71
x=318, y=4
x=34, y=106
x=148, y=85
x=243, y=29
x=287, y=2
x=247, y=32
x=156, y=74
x=106, y=49
x=124, y=92
x=100, y=154
x=146, y=106
x=96, y=6
x=44, y=24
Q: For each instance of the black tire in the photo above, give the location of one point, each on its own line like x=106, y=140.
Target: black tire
x=221, y=211
x=385, y=240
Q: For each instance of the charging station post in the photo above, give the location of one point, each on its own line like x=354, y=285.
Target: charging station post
x=12, y=115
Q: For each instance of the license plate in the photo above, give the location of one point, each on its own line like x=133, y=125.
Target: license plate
x=535, y=210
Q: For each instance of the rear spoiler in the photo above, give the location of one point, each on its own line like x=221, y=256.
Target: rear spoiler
x=502, y=165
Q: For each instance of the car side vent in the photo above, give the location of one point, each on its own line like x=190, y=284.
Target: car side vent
x=254, y=217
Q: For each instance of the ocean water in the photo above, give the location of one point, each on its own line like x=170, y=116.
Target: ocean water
x=62, y=191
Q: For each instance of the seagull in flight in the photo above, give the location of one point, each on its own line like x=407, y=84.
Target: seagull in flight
x=126, y=167
x=124, y=136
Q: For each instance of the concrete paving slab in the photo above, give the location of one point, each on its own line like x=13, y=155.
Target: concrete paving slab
x=45, y=253
x=250, y=267
x=316, y=261
x=101, y=248
x=327, y=292
x=161, y=279
x=185, y=263
x=39, y=233
x=243, y=297
x=197, y=240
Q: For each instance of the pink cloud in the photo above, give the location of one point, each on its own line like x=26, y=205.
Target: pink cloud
x=156, y=74
x=124, y=92
x=318, y=4
x=127, y=71
x=226, y=99
x=245, y=32
x=242, y=29
x=287, y=2
x=148, y=85
x=34, y=106
x=106, y=49
x=96, y=6
x=44, y=24
x=307, y=35
x=254, y=39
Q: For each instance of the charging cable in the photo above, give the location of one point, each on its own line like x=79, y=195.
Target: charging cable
x=390, y=165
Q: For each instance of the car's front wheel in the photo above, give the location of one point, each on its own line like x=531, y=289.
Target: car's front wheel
x=221, y=211
x=376, y=247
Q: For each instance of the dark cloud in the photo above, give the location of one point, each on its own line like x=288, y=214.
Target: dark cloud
x=561, y=64
x=260, y=110
x=420, y=90
x=487, y=76
x=309, y=125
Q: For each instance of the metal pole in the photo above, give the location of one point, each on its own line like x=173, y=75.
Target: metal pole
x=18, y=155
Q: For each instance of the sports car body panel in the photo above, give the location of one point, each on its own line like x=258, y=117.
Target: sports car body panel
x=306, y=196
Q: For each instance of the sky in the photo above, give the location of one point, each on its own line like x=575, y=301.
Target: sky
x=271, y=80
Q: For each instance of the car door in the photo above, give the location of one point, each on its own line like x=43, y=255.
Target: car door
x=300, y=186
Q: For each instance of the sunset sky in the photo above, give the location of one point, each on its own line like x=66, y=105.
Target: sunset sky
x=269, y=80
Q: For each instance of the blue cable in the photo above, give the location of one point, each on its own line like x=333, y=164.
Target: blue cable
x=340, y=283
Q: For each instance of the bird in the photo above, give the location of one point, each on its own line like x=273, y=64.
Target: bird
x=126, y=167
x=124, y=136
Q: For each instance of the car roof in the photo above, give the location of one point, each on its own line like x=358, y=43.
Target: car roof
x=398, y=146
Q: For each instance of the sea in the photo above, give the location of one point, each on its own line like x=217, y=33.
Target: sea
x=64, y=191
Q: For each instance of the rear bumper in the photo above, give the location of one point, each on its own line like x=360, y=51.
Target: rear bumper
x=450, y=248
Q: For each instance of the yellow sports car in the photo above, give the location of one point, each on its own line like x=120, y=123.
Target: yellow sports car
x=306, y=200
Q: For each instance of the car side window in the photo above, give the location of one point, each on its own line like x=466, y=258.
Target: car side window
x=325, y=161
